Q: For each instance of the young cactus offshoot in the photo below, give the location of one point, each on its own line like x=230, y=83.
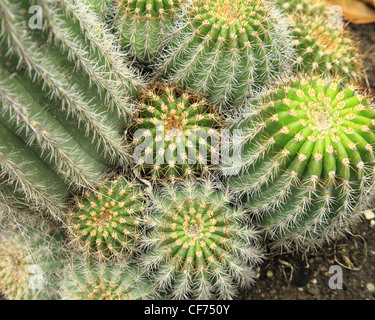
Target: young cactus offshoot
x=106, y=222
x=143, y=24
x=228, y=49
x=307, y=160
x=199, y=246
x=176, y=134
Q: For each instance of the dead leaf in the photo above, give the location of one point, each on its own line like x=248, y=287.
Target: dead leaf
x=356, y=11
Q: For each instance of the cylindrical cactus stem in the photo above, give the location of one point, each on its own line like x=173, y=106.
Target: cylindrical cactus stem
x=89, y=280
x=63, y=103
x=198, y=245
x=176, y=134
x=142, y=26
x=307, y=160
x=228, y=49
x=105, y=223
x=32, y=254
x=322, y=47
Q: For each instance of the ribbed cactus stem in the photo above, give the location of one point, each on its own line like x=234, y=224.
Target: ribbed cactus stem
x=65, y=95
x=307, y=160
x=176, y=134
x=199, y=245
x=228, y=49
x=143, y=24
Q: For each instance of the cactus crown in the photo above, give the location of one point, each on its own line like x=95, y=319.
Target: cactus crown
x=106, y=222
x=307, y=158
x=178, y=129
x=103, y=281
x=198, y=245
x=228, y=49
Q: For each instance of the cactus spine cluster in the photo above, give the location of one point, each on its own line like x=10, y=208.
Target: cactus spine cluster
x=142, y=26
x=84, y=280
x=31, y=255
x=65, y=95
x=176, y=134
x=228, y=50
x=106, y=222
x=198, y=244
x=307, y=160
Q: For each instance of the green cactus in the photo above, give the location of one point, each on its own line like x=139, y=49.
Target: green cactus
x=142, y=25
x=198, y=245
x=322, y=47
x=32, y=254
x=307, y=159
x=106, y=222
x=85, y=280
x=304, y=7
x=228, y=49
x=175, y=134
x=65, y=95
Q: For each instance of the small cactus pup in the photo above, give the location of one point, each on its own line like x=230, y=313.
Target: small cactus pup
x=228, y=49
x=307, y=160
x=32, y=254
x=65, y=95
x=322, y=47
x=198, y=244
x=143, y=24
x=105, y=223
x=89, y=280
x=175, y=134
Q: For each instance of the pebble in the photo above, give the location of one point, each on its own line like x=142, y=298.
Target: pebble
x=269, y=274
x=370, y=287
x=369, y=215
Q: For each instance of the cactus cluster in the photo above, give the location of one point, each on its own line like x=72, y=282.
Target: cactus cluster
x=106, y=222
x=32, y=253
x=306, y=161
x=198, y=245
x=112, y=116
x=176, y=134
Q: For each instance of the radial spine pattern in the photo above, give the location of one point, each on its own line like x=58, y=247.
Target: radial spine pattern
x=307, y=160
x=198, y=245
x=106, y=222
x=176, y=134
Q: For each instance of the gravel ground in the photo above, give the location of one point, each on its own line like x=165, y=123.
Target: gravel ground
x=292, y=277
